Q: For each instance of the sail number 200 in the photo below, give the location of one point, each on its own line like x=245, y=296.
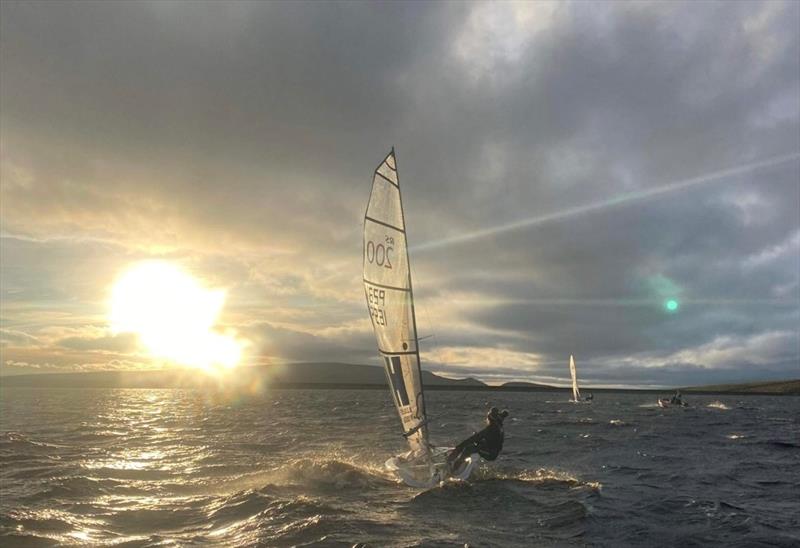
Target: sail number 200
x=380, y=254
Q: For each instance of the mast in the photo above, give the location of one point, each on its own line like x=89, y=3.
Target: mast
x=411, y=291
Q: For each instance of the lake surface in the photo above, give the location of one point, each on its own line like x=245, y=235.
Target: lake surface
x=179, y=467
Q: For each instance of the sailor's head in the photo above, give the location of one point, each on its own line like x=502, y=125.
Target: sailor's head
x=495, y=415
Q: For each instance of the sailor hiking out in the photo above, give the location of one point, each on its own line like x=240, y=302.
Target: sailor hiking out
x=487, y=443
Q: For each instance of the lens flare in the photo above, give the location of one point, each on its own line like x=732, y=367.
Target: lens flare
x=671, y=305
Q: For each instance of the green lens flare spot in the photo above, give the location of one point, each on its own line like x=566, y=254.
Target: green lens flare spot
x=671, y=305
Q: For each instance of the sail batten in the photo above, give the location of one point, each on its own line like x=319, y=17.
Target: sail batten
x=390, y=302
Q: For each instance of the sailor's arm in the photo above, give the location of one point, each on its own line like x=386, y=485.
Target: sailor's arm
x=474, y=438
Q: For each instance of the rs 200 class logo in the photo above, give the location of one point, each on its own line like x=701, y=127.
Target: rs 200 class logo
x=380, y=254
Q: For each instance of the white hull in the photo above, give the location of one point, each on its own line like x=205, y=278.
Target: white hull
x=424, y=473
x=666, y=403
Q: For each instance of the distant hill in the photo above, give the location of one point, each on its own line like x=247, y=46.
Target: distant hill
x=773, y=387
x=522, y=385
x=329, y=375
x=296, y=375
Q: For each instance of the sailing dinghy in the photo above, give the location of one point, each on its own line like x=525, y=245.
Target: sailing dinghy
x=390, y=301
x=576, y=393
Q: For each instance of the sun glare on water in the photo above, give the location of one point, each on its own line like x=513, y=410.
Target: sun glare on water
x=173, y=315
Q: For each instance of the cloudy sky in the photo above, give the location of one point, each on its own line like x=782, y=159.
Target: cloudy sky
x=566, y=169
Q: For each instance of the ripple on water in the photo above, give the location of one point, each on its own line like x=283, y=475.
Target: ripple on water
x=91, y=467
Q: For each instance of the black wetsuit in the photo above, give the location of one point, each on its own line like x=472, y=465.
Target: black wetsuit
x=487, y=443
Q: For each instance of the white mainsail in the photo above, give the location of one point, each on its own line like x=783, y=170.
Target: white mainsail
x=387, y=284
x=576, y=394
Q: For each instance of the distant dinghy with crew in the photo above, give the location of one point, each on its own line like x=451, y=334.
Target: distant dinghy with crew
x=390, y=301
x=576, y=392
x=675, y=401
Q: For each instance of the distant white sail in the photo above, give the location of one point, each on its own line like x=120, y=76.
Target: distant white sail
x=390, y=300
x=576, y=394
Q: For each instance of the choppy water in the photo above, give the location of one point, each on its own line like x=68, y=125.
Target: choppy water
x=174, y=467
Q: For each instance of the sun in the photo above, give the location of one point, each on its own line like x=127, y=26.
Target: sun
x=174, y=316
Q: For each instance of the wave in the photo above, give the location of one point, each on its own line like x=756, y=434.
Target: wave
x=735, y=436
x=78, y=487
x=545, y=503
x=345, y=475
x=539, y=476
x=17, y=439
x=565, y=422
x=332, y=473
x=284, y=523
x=313, y=473
x=718, y=405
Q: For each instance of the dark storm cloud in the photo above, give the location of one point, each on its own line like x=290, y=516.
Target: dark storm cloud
x=251, y=129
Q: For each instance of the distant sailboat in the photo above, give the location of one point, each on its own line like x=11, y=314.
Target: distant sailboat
x=390, y=301
x=576, y=393
x=674, y=401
